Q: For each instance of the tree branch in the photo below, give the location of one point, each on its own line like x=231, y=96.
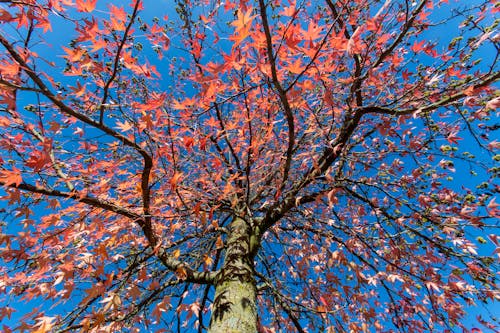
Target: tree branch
x=91, y=201
x=281, y=92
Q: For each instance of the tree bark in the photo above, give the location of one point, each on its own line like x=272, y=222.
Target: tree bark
x=234, y=309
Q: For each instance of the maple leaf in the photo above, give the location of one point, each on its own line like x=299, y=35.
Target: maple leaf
x=85, y=6
x=6, y=312
x=244, y=20
x=453, y=138
x=5, y=16
x=296, y=67
x=135, y=292
x=14, y=196
x=74, y=55
x=45, y=24
x=493, y=208
x=179, y=105
x=493, y=104
x=417, y=47
x=44, y=324
x=219, y=243
x=313, y=32
x=432, y=285
x=188, y=142
x=290, y=10
x=124, y=126
x=11, y=177
x=118, y=17
x=98, y=44
x=40, y=158
x=9, y=68
x=79, y=90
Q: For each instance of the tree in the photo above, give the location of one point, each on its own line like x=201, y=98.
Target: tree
x=244, y=166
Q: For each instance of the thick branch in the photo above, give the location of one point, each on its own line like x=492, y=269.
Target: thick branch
x=281, y=91
x=330, y=154
x=433, y=106
x=172, y=264
x=408, y=24
x=91, y=201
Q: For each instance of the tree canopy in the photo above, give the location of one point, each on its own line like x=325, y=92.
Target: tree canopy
x=248, y=166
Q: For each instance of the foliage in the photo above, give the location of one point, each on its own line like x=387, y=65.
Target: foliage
x=335, y=156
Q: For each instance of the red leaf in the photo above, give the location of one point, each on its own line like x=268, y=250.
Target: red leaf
x=8, y=177
x=417, y=47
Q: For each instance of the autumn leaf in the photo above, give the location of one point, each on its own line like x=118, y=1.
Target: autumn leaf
x=38, y=159
x=244, y=20
x=219, y=244
x=313, y=32
x=44, y=324
x=6, y=312
x=417, y=47
x=453, y=138
x=296, y=67
x=11, y=177
x=5, y=16
x=242, y=24
x=181, y=273
x=124, y=126
x=290, y=10
x=74, y=55
x=493, y=210
x=188, y=142
x=98, y=44
x=44, y=24
x=117, y=17
x=79, y=90
x=493, y=104
x=85, y=6
x=207, y=260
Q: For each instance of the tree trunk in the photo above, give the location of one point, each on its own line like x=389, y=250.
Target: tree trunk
x=234, y=309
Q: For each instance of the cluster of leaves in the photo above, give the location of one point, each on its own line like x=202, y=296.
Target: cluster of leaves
x=334, y=129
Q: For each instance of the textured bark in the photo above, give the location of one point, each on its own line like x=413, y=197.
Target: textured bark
x=234, y=307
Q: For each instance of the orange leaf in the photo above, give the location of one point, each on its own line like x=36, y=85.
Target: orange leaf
x=118, y=17
x=13, y=177
x=125, y=126
x=181, y=273
x=85, y=6
x=208, y=260
x=313, y=32
x=174, y=180
x=244, y=20
x=74, y=55
x=296, y=67
x=117, y=13
x=219, y=244
x=98, y=44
